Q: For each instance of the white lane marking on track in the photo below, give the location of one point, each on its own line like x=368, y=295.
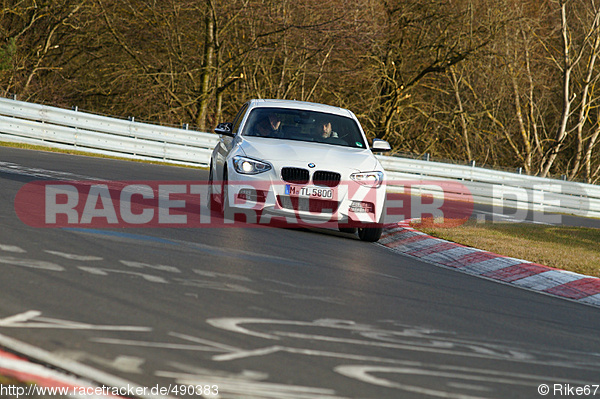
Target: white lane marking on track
x=450, y=347
x=305, y=352
x=12, y=248
x=203, y=341
x=32, y=263
x=471, y=387
x=440, y=372
x=215, y=285
x=207, y=273
x=248, y=384
x=205, y=345
x=244, y=354
x=20, y=318
x=81, y=370
x=361, y=373
x=104, y=272
x=16, y=169
x=83, y=258
x=161, y=345
x=142, y=265
x=374, y=337
x=124, y=364
x=233, y=324
x=32, y=319
x=36, y=372
x=303, y=297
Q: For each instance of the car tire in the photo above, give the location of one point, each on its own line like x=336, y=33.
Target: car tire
x=370, y=234
x=212, y=201
x=225, y=195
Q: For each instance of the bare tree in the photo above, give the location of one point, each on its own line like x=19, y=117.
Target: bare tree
x=33, y=34
x=419, y=41
x=460, y=79
x=572, y=54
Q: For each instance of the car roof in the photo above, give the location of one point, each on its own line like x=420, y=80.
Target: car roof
x=303, y=105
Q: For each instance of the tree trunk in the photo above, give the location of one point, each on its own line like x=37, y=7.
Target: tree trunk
x=207, y=68
x=567, y=68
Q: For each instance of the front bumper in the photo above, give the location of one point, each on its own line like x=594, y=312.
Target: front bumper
x=265, y=197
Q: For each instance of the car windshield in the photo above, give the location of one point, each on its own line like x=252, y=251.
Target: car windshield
x=302, y=125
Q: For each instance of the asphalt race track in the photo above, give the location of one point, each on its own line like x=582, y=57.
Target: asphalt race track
x=272, y=312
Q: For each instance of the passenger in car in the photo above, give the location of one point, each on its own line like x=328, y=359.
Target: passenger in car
x=324, y=129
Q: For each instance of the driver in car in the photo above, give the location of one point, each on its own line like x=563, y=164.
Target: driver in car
x=268, y=126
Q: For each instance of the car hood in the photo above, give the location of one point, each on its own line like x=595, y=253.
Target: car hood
x=300, y=153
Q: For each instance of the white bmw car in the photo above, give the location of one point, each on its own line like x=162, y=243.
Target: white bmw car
x=298, y=162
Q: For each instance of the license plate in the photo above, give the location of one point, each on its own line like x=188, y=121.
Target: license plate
x=308, y=191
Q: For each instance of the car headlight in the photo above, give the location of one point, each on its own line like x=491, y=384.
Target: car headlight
x=369, y=179
x=249, y=166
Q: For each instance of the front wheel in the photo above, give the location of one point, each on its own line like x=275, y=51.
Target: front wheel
x=225, y=209
x=214, y=204
x=370, y=234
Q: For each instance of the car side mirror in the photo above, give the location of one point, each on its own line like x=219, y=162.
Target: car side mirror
x=380, y=146
x=224, y=128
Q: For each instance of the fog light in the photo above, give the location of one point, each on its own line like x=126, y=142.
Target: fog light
x=249, y=194
x=362, y=207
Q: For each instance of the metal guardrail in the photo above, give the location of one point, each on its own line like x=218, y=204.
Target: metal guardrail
x=497, y=188
x=71, y=129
